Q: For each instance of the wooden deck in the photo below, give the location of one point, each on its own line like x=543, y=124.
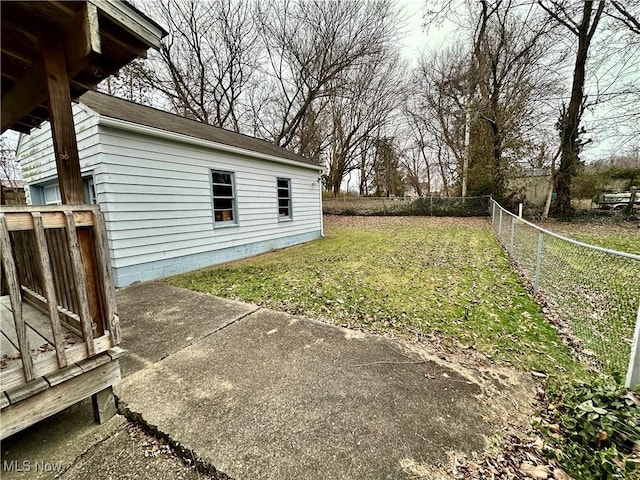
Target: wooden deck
x=59, y=328
x=41, y=342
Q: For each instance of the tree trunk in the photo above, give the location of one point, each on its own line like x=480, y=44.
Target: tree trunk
x=570, y=119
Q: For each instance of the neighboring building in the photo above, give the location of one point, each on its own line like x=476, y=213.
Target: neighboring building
x=177, y=194
x=530, y=187
x=12, y=192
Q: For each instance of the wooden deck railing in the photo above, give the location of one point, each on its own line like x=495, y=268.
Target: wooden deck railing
x=45, y=265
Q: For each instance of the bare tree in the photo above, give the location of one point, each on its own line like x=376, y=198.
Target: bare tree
x=487, y=94
x=506, y=69
x=360, y=108
x=581, y=20
x=10, y=174
x=310, y=46
x=387, y=177
x=130, y=83
x=207, y=61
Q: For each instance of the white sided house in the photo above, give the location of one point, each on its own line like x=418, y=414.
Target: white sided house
x=178, y=194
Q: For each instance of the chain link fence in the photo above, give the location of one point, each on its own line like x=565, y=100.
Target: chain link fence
x=426, y=206
x=594, y=292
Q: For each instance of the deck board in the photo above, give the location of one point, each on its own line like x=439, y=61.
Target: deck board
x=40, y=342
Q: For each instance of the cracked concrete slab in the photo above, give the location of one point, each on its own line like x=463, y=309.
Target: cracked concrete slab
x=274, y=396
x=258, y=394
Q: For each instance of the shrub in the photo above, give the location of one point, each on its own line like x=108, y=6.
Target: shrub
x=594, y=430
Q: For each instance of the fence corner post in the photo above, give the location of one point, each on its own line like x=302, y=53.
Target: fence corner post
x=633, y=372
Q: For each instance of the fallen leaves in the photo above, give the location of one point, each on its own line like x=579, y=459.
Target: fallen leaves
x=405, y=276
x=534, y=471
x=517, y=459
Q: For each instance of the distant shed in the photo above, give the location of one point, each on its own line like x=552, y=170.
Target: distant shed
x=177, y=194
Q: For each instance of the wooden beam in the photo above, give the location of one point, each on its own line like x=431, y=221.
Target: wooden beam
x=8, y=262
x=104, y=405
x=14, y=418
x=102, y=248
x=26, y=94
x=61, y=118
x=24, y=221
x=132, y=21
x=82, y=37
x=81, y=41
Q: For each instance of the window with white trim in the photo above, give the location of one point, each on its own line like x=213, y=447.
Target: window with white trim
x=224, y=198
x=284, y=198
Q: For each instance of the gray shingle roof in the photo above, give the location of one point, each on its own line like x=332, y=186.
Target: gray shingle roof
x=117, y=108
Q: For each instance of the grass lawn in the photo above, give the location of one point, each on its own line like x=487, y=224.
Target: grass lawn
x=623, y=237
x=408, y=275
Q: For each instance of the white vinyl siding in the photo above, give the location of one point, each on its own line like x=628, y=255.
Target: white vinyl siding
x=35, y=151
x=157, y=197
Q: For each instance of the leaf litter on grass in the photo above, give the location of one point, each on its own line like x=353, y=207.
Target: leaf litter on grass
x=443, y=284
x=408, y=276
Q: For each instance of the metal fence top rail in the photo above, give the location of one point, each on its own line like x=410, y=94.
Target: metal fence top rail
x=570, y=240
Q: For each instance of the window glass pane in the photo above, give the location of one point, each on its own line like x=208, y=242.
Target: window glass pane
x=222, y=177
x=223, y=215
x=223, y=204
x=223, y=191
x=52, y=195
x=223, y=197
x=284, y=197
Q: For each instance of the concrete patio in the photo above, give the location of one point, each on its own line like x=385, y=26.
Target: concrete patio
x=255, y=394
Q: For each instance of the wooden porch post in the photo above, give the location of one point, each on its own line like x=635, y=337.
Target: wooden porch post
x=67, y=157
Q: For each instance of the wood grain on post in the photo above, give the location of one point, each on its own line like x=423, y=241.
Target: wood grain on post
x=80, y=281
x=8, y=263
x=48, y=287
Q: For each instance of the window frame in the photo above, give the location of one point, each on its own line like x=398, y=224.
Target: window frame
x=57, y=193
x=234, y=199
x=288, y=198
x=88, y=189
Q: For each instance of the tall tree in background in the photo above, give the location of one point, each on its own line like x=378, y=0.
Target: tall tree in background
x=581, y=19
x=130, y=83
x=387, y=176
x=310, y=47
x=360, y=108
x=484, y=94
x=207, y=61
x=437, y=108
x=505, y=72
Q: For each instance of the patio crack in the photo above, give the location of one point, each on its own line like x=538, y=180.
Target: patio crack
x=185, y=454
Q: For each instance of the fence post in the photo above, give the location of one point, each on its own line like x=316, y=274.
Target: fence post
x=538, y=263
x=513, y=232
x=493, y=214
x=633, y=372
x=500, y=225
